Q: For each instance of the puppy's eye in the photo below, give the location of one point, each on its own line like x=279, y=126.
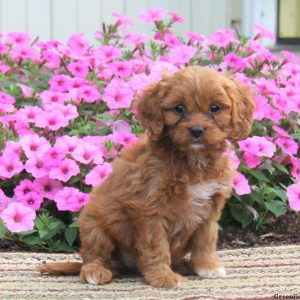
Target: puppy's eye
x=179, y=109
x=214, y=108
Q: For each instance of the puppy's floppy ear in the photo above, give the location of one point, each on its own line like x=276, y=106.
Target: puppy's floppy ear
x=243, y=106
x=149, y=109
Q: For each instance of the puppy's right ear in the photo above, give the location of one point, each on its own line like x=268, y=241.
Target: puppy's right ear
x=149, y=110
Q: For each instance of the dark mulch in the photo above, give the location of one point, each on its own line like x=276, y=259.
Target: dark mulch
x=284, y=230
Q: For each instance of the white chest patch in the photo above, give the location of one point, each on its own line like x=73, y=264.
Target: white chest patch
x=200, y=195
x=204, y=191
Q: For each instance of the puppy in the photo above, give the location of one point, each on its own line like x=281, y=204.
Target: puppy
x=166, y=193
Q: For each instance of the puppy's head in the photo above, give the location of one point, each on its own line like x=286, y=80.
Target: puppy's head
x=198, y=108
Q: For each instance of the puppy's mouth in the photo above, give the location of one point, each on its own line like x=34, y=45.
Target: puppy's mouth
x=196, y=145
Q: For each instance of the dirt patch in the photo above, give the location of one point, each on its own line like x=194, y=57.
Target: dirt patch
x=284, y=230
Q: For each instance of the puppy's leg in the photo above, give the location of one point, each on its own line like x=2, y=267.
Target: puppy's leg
x=154, y=259
x=96, y=249
x=204, y=259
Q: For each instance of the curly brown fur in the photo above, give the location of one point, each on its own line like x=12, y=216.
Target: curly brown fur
x=166, y=193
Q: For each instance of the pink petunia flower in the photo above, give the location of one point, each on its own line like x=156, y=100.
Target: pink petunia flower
x=37, y=166
x=125, y=138
x=12, y=148
x=222, y=38
x=23, y=188
x=120, y=126
x=241, y=184
x=98, y=174
x=66, y=144
x=295, y=170
x=293, y=193
x=4, y=201
x=107, y=53
x=28, y=113
x=68, y=111
x=60, y=83
x=263, y=33
x=152, y=15
x=47, y=187
x=33, y=144
x=121, y=68
x=24, y=52
x=78, y=44
x=181, y=54
x=32, y=200
x=257, y=145
x=87, y=153
x=287, y=145
x=55, y=155
x=281, y=132
x=234, y=61
x=26, y=90
x=17, y=38
x=171, y=40
x=234, y=158
x=50, y=97
x=78, y=69
x=17, y=217
x=52, y=120
x=65, y=170
x=199, y=38
x=175, y=18
x=135, y=39
x=10, y=165
x=3, y=49
x=6, y=103
x=88, y=93
x=122, y=20
x=118, y=94
x=262, y=107
x=252, y=161
x=52, y=60
x=70, y=199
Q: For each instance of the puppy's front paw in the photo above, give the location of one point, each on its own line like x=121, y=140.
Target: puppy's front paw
x=219, y=272
x=95, y=274
x=164, y=279
x=210, y=268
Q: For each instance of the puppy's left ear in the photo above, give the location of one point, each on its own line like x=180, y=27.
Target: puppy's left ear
x=149, y=109
x=243, y=106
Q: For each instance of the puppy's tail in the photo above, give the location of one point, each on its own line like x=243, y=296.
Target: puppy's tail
x=65, y=268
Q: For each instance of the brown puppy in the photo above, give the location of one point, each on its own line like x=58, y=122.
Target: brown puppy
x=166, y=193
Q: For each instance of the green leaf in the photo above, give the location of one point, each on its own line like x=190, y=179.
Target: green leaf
x=34, y=240
x=296, y=136
x=71, y=234
x=269, y=167
x=74, y=225
x=280, y=168
x=3, y=231
x=280, y=193
x=241, y=215
x=257, y=197
x=258, y=175
x=65, y=247
x=278, y=208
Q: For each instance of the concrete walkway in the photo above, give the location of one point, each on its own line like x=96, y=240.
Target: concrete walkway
x=256, y=273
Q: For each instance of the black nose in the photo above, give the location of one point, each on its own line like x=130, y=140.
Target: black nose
x=196, y=131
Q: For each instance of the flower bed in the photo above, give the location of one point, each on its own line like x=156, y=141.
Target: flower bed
x=67, y=110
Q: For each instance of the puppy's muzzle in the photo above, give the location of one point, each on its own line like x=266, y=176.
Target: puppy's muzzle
x=196, y=131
